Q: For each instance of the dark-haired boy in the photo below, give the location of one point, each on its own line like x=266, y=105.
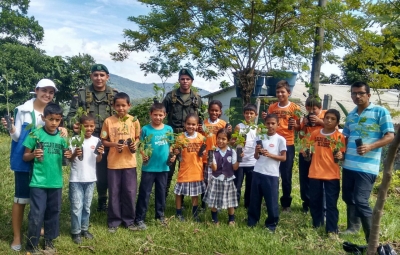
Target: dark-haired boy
x=312, y=105
x=155, y=170
x=265, y=183
x=287, y=118
x=246, y=167
x=46, y=182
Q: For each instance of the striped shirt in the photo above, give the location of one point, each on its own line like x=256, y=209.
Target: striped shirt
x=369, y=162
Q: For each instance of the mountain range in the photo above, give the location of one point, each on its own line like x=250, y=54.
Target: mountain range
x=137, y=90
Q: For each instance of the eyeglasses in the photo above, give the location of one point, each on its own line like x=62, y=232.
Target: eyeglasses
x=354, y=94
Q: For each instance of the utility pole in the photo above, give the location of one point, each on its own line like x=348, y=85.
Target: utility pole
x=318, y=48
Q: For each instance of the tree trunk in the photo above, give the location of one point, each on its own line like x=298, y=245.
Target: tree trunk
x=246, y=79
x=373, y=241
x=318, y=49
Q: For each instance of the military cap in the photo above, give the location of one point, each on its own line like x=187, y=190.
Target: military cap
x=185, y=71
x=99, y=67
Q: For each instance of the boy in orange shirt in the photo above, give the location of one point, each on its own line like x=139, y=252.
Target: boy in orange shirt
x=288, y=123
x=325, y=173
x=121, y=132
x=308, y=125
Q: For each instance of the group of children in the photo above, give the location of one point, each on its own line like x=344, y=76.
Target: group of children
x=214, y=172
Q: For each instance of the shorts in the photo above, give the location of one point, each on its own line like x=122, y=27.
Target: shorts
x=22, y=189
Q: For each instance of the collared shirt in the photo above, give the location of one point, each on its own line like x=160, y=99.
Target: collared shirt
x=369, y=162
x=222, y=177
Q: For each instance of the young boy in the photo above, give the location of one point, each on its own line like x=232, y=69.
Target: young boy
x=287, y=118
x=121, y=163
x=266, y=175
x=246, y=167
x=156, y=170
x=325, y=173
x=46, y=183
x=312, y=105
x=82, y=180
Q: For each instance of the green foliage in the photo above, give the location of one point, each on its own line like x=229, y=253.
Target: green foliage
x=77, y=140
x=144, y=146
x=237, y=35
x=16, y=25
x=334, y=144
x=343, y=108
x=142, y=111
x=240, y=138
x=363, y=129
x=305, y=143
x=231, y=113
x=224, y=84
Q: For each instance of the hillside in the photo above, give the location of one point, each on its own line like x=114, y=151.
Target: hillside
x=137, y=90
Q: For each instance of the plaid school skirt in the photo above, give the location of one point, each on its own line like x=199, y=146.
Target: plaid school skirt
x=190, y=189
x=221, y=194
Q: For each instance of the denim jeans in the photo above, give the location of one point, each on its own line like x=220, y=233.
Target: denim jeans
x=80, y=196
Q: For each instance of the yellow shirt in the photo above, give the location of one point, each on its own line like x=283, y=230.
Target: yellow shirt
x=115, y=129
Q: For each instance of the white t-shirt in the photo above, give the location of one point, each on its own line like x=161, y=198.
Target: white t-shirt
x=265, y=165
x=85, y=170
x=248, y=150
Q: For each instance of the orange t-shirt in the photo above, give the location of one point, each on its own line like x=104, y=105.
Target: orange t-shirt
x=284, y=113
x=191, y=167
x=322, y=164
x=308, y=129
x=212, y=137
x=114, y=130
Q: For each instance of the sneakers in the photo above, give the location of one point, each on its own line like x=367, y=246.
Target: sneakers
x=86, y=234
x=141, y=225
x=16, y=247
x=49, y=246
x=33, y=251
x=232, y=223
x=112, y=230
x=133, y=227
x=76, y=238
x=162, y=221
x=180, y=217
x=286, y=209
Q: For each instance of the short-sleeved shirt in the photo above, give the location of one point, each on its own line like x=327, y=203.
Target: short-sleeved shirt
x=275, y=144
x=369, y=162
x=191, y=167
x=309, y=130
x=85, y=170
x=322, y=165
x=114, y=130
x=249, y=147
x=159, y=144
x=284, y=113
x=48, y=173
x=213, y=127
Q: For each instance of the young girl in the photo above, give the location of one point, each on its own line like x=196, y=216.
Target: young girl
x=209, y=130
x=325, y=173
x=221, y=192
x=190, y=177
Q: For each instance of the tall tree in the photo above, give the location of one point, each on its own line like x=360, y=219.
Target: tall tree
x=16, y=25
x=238, y=35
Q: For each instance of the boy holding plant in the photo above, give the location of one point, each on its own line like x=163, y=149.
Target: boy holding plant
x=120, y=133
x=324, y=172
x=83, y=178
x=45, y=146
x=155, y=171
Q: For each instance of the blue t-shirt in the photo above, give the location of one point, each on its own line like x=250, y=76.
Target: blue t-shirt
x=160, y=145
x=369, y=162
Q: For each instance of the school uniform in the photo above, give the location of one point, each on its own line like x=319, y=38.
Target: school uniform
x=265, y=184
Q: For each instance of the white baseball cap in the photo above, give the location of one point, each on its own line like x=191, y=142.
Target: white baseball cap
x=46, y=83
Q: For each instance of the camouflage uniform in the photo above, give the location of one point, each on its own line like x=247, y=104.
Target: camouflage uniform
x=177, y=109
x=99, y=104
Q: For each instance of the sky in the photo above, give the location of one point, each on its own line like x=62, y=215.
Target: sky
x=96, y=27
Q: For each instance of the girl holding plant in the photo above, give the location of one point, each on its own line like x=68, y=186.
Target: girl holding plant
x=325, y=173
x=190, y=177
x=26, y=118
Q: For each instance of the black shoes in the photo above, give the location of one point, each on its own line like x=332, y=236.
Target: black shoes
x=76, y=238
x=86, y=234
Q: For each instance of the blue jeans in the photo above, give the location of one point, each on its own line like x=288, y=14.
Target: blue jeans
x=80, y=196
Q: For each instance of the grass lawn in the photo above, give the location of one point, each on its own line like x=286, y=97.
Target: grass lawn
x=294, y=234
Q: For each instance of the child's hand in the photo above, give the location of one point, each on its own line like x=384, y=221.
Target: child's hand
x=63, y=131
x=38, y=153
x=68, y=153
x=100, y=150
x=132, y=147
x=145, y=158
x=292, y=122
x=258, y=148
x=242, y=155
x=77, y=152
x=120, y=146
x=229, y=128
x=313, y=118
x=339, y=155
x=304, y=154
x=265, y=153
x=199, y=128
x=4, y=122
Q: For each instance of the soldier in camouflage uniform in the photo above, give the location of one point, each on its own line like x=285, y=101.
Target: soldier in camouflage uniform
x=178, y=104
x=97, y=99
